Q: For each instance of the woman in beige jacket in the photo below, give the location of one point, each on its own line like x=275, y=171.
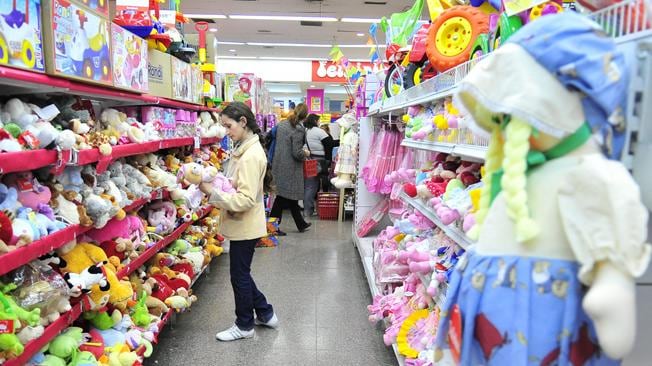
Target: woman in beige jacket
x=243, y=219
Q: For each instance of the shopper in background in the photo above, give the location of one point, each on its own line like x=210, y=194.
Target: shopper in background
x=320, y=147
x=287, y=167
x=324, y=177
x=243, y=219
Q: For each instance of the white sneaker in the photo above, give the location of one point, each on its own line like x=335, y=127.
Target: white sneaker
x=272, y=323
x=234, y=333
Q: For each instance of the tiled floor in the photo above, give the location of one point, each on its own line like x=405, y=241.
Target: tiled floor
x=318, y=288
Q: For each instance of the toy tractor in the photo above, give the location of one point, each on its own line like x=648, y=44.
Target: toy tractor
x=16, y=37
x=502, y=25
x=90, y=56
x=419, y=68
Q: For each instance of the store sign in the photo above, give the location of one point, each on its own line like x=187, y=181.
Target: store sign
x=328, y=71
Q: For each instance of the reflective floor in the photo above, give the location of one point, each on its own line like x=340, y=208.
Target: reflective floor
x=318, y=288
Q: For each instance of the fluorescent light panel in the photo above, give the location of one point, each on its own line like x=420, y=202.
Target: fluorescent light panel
x=205, y=16
x=283, y=17
x=360, y=20
x=292, y=58
x=289, y=44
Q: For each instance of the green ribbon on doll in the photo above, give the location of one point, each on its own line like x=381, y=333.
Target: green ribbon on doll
x=536, y=158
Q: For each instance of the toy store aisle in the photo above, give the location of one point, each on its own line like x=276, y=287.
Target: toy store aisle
x=317, y=285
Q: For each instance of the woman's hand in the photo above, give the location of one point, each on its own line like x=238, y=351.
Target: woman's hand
x=206, y=187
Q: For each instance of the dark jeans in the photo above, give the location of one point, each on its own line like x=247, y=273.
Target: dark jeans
x=247, y=296
x=281, y=203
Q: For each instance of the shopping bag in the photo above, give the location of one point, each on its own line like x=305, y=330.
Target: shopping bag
x=310, y=168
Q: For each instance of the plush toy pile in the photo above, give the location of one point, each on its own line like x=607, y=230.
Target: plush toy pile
x=126, y=210
x=412, y=261
x=439, y=122
x=67, y=122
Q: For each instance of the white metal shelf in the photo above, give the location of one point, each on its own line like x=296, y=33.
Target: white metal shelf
x=365, y=249
x=458, y=236
x=469, y=152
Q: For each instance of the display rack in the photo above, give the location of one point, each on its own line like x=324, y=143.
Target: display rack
x=66, y=319
x=465, y=151
x=452, y=232
x=29, y=82
x=36, y=159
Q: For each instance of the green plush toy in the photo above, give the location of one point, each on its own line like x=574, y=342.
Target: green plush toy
x=141, y=316
x=100, y=319
x=83, y=358
x=51, y=360
x=10, y=316
x=66, y=344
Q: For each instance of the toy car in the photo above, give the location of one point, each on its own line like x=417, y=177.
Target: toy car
x=16, y=37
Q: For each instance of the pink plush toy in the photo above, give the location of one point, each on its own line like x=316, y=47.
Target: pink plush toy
x=218, y=180
x=162, y=216
x=445, y=214
x=30, y=192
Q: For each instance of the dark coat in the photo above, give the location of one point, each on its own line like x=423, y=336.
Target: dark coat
x=287, y=165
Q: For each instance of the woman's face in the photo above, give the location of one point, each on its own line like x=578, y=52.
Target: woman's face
x=234, y=129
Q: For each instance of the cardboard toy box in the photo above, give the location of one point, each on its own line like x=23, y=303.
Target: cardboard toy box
x=77, y=42
x=99, y=6
x=240, y=88
x=159, y=72
x=197, y=96
x=21, y=44
x=130, y=58
x=182, y=81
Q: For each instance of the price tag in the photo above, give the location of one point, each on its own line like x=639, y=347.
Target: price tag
x=46, y=113
x=6, y=326
x=455, y=333
x=197, y=141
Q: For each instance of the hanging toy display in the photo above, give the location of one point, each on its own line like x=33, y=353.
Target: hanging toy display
x=551, y=277
x=345, y=169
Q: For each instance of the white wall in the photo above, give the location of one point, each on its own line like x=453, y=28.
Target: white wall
x=269, y=70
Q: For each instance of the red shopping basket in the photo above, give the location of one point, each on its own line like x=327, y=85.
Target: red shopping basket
x=328, y=204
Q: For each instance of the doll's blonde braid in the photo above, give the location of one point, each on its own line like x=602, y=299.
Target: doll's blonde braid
x=492, y=164
x=514, y=181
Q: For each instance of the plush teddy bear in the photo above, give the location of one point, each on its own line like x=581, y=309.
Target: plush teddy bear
x=137, y=182
x=118, y=178
x=219, y=181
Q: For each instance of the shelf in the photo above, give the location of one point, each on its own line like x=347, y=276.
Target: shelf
x=35, y=159
x=52, y=330
x=458, y=236
x=151, y=251
x=469, y=152
x=28, y=82
x=365, y=245
x=23, y=255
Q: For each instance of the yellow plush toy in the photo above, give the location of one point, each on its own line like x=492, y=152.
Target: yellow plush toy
x=80, y=256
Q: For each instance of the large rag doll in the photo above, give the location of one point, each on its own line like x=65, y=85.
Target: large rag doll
x=347, y=155
x=561, y=229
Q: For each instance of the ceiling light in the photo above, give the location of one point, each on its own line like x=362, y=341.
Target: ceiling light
x=205, y=16
x=360, y=20
x=360, y=34
x=334, y=85
x=213, y=30
x=232, y=50
x=324, y=45
x=231, y=43
x=312, y=86
x=283, y=17
x=357, y=45
x=292, y=58
x=238, y=57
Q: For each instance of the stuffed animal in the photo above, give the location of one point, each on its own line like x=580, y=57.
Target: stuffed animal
x=162, y=216
x=137, y=182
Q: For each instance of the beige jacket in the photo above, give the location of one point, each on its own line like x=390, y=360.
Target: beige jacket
x=243, y=212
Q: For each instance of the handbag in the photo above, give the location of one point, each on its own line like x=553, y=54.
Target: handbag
x=310, y=166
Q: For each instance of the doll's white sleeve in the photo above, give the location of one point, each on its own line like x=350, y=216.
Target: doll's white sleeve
x=603, y=217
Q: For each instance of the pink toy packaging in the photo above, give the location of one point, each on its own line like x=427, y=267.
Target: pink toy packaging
x=130, y=51
x=20, y=34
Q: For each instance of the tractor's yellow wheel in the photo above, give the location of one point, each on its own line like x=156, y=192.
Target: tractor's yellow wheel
x=537, y=11
x=27, y=54
x=4, y=51
x=452, y=35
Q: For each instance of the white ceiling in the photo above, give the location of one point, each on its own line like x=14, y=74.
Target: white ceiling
x=232, y=30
